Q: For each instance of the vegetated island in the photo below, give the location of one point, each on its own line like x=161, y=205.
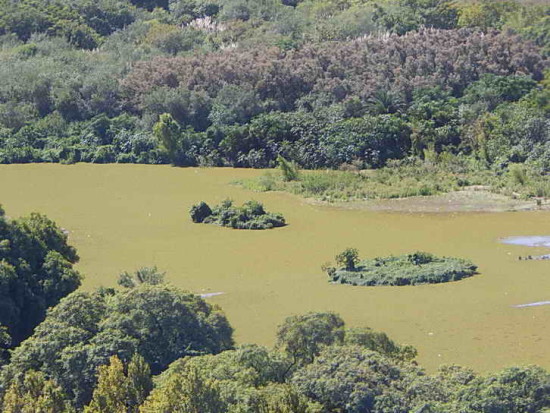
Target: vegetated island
x=251, y=215
x=411, y=269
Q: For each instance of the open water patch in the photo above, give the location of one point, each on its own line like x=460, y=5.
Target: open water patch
x=528, y=241
x=536, y=304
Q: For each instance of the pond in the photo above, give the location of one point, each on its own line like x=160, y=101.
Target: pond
x=121, y=217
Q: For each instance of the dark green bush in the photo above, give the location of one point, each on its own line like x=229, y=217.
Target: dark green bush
x=251, y=215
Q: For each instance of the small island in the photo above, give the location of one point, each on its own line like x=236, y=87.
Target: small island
x=412, y=269
x=251, y=215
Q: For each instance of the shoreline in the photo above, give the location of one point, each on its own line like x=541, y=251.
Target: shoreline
x=469, y=200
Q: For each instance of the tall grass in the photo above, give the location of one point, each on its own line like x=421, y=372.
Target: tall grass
x=403, y=179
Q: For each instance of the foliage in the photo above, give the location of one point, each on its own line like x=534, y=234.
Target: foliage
x=351, y=379
x=289, y=171
x=159, y=322
x=145, y=275
x=320, y=83
x=251, y=215
x=408, y=178
x=119, y=391
x=301, y=337
x=379, y=342
x=348, y=258
x=200, y=212
x=36, y=271
x=33, y=392
x=412, y=269
x=248, y=378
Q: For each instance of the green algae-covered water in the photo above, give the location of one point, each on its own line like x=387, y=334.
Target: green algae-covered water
x=121, y=217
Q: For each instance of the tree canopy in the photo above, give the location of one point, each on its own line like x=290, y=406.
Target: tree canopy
x=36, y=271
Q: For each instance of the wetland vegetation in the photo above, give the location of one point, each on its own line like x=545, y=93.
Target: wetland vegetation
x=251, y=215
x=351, y=100
x=410, y=269
x=407, y=178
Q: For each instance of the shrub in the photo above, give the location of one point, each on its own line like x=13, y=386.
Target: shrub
x=251, y=215
x=412, y=269
x=288, y=170
x=200, y=212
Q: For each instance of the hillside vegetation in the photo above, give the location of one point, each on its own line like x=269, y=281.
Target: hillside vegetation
x=324, y=84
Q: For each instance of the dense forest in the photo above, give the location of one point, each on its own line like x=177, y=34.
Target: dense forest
x=239, y=83
x=147, y=346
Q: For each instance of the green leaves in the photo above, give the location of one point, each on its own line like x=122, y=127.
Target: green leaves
x=36, y=271
x=302, y=337
x=251, y=215
x=121, y=389
x=80, y=334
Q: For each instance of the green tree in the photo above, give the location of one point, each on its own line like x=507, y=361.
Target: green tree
x=379, y=342
x=288, y=169
x=302, y=337
x=168, y=133
x=352, y=379
x=118, y=391
x=187, y=392
x=34, y=393
x=36, y=271
x=145, y=275
x=200, y=212
x=348, y=258
x=84, y=330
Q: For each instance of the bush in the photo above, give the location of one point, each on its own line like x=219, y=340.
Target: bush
x=251, y=215
x=200, y=212
x=412, y=269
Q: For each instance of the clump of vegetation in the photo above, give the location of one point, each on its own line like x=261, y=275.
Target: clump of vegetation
x=408, y=178
x=348, y=258
x=289, y=170
x=251, y=215
x=36, y=271
x=412, y=269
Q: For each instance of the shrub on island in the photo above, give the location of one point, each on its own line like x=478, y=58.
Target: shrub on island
x=411, y=269
x=251, y=215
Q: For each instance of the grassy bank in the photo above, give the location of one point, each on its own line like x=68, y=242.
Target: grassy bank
x=407, y=178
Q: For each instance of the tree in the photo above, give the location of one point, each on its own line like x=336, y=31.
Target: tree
x=167, y=132
x=302, y=337
x=110, y=395
x=187, y=392
x=247, y=379
x=34, y=393
x=118, y=391
x=36, y=271
x=514, y=390
x=84, y=330
x=145, y=275
x=352, y=379
x=200, y=212
x=379, y=342
x=348, y=258
x=288, y=169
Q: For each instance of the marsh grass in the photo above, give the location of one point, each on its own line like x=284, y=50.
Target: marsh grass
x=404, y=179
